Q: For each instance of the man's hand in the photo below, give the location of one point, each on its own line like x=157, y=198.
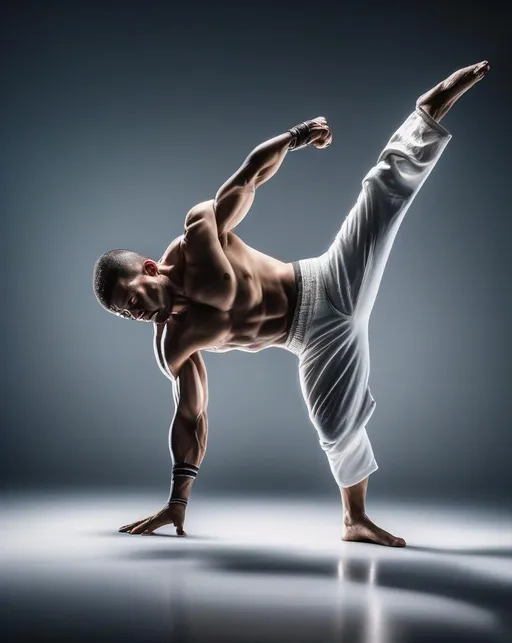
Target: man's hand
x=173, y=514
x=321, y=135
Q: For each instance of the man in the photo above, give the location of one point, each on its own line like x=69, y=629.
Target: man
x=210, y=291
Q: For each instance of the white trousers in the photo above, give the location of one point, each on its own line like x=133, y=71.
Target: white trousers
x=337, y=291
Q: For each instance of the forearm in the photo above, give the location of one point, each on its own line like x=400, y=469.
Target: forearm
x=266, y=159
x=188, y=438
x=235, y=197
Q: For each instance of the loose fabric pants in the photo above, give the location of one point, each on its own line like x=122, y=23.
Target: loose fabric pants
x=336, y=293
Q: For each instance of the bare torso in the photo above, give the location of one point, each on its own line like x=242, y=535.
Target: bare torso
x=247, y=305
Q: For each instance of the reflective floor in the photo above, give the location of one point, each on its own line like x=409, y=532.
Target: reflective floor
x=251, y=571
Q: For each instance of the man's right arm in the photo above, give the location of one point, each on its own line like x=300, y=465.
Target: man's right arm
x=189, y=428
x=187, y=440
x=236, y=195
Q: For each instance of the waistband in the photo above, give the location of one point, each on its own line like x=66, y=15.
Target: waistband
x=307, y=279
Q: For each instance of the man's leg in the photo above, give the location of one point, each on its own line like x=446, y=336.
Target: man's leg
x=356, y=524
x=355, y=261
x=366, y=239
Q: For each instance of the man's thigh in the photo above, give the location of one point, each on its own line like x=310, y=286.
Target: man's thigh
x=353, y=265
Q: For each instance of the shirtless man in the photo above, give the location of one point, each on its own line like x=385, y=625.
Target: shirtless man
x=210, y=291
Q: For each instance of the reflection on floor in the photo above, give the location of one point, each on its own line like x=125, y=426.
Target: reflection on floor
x=251, y=571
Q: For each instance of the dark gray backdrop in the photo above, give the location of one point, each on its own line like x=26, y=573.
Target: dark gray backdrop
x=118, y=117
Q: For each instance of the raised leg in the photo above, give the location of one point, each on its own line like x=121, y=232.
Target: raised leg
x=441, y=98
x=354, y=263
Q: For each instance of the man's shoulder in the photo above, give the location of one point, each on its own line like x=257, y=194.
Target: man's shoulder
x=204, y=207
x=174, y=248
x=171, y=252
x=203, y=212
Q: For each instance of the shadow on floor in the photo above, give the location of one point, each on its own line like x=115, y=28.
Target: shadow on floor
x=446, y=577
x=495, y=552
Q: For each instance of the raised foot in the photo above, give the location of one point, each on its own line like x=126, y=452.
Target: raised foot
x=365, y=531
x=440, y=98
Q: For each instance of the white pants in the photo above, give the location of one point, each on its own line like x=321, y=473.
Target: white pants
x=336, y=293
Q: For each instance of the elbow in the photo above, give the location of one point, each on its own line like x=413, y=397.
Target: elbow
x=165, y=370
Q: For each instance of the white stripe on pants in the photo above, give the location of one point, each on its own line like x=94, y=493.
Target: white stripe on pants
x=337, y=291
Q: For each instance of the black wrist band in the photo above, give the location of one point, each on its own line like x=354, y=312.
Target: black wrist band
x=183, y=473
x=184, y=470
x=181, y=465
x=300, y=135
x=177, y=501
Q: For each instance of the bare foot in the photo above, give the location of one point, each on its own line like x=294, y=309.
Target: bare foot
x=365, y=531
x=443, y=96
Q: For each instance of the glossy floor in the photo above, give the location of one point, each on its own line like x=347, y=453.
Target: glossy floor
x=252, y=570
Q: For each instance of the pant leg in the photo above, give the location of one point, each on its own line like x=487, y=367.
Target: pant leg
x=354, y=263
x=333, y=375
x=334, y=362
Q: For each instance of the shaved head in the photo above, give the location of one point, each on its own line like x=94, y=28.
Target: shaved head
x=110, y=268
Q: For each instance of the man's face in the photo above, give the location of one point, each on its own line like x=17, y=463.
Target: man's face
x=143, y=297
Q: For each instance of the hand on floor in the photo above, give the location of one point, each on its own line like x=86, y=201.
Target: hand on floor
x=173, y=514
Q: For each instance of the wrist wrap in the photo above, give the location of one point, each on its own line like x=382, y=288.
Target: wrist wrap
x=300, y=135
x=177, y=501
x=184, y=470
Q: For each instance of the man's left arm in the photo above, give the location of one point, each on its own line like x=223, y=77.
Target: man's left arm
x=235, y=197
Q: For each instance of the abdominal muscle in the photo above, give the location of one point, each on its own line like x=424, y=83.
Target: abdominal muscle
x=261, y=312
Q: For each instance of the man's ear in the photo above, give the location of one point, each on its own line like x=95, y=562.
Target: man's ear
x=150, y=267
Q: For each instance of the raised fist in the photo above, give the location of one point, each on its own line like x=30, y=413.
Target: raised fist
x=321, y=135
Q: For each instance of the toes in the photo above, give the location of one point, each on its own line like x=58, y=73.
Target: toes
x=370, y=533
x=390, y=540
x=480, y=69
x=483, y=68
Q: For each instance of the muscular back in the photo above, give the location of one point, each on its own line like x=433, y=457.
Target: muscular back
x=229, y=295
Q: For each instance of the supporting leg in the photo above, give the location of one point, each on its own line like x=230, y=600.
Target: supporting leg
x=356, y=524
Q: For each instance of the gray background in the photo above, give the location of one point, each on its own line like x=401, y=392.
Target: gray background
x=116, y=118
